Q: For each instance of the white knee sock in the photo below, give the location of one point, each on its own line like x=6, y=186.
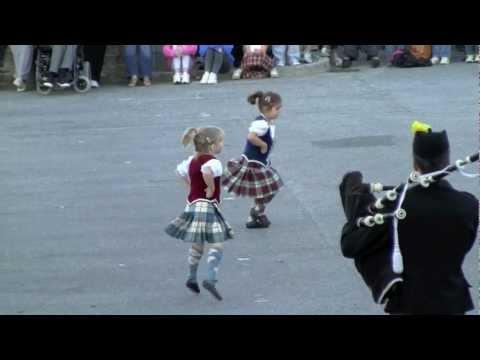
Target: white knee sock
x=186, y=63
x=177, y=64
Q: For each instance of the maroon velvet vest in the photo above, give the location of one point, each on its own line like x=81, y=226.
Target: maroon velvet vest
x=197, y=184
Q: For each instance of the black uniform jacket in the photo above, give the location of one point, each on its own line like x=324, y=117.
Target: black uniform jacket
x=439, y=230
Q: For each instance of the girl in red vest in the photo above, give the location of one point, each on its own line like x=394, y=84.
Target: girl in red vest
x=202, y=222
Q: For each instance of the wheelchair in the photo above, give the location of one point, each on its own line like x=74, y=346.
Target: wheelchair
x=81, y=71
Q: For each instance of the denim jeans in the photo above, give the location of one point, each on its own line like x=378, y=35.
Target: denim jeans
x=139, y=60
x=471, y=49
x=442, y=51
x=282, y=51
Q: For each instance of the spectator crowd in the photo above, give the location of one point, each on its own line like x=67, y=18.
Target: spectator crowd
x=242, y=61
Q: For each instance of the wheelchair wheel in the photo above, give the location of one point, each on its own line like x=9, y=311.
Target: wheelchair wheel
x=82, y=84
x=43, y=90
x=85, y=69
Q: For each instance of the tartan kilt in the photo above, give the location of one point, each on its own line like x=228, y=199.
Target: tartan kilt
x=253, y=179
x=200, y=222
x=256, y=66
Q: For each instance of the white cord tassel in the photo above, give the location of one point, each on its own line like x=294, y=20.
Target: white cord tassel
x=397, y=259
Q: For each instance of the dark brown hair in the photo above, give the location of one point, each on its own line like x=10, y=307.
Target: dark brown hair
x=265, y=100
x=430, y=165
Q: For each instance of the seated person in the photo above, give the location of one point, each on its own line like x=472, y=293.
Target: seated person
x=349, y=53
x=254, y=62
x=61, y=66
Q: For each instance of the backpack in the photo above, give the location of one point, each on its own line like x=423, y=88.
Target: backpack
x=421, y=52
x=404, y=58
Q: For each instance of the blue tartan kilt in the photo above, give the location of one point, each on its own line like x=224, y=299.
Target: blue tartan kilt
x=200, y=222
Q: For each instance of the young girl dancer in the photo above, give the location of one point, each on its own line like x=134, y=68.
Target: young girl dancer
x=202, y=222
x=252, y=175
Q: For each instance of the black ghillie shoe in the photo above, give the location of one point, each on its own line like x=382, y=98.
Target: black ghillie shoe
x=193, y=286
x=208, y=285
x=259, y=223
x=264, y=220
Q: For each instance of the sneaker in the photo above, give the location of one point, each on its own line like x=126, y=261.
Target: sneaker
x=147, y=81
x=205, y=77
x=444, y=61
x=64, y=78
x=49, y=80
x=325, y=52
x=21, y=87
x=274, y=73
x=133, y=81
x=470, y=58
x=210, y=286
x=338, y=61
x=237, y=74
x=307, y=57
x=186, y=78
x=17, y=82
x=193, y=286
x=435, y=60
x=94, y=84
x=294, y=62
x=260, y=222
x=177, y=78
x=375, y=62
x=477, y=58
x=212, y=79
x=281, y=64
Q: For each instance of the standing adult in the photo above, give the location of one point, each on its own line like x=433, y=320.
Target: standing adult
x=439, y=230
x=95, y=55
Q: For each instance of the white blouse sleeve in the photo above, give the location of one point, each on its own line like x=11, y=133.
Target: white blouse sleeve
x=182, y=168
x=259, y=127
x=215, y=166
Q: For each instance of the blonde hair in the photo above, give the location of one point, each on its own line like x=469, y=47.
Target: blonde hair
x=203, y=138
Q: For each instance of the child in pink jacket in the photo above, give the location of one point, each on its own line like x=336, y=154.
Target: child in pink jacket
x=181, y=57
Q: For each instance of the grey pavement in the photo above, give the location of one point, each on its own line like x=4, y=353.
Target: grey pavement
x=87, y=187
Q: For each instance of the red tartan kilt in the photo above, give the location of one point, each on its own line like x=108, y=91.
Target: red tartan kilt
x=257, y=62
x=252, y=179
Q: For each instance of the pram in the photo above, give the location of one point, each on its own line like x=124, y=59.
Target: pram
x=81, y=72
